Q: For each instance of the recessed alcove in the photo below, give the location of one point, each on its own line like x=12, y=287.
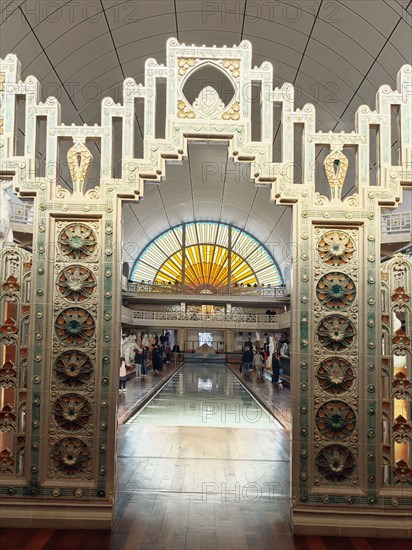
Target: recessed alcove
x=208, y=75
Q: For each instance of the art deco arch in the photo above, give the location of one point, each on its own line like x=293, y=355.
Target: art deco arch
x=206, y=255
x=337, y=237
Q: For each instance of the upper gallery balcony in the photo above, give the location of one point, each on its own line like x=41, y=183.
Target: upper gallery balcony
x=184, y=319
x=145, y=291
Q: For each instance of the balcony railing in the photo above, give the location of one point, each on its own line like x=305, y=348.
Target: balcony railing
x=21, y=213
x=396, y=227
x=149, y=288
x=280, y=321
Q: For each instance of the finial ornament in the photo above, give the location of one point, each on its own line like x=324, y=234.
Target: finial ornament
x=79, y=158
x=336, y=166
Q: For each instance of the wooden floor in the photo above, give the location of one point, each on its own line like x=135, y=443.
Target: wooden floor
x=49, y=539
x=198, y=488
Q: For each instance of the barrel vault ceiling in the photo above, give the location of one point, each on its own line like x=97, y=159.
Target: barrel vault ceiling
x=336, y=53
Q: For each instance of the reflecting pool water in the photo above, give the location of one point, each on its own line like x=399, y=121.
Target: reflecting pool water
x=204, y=395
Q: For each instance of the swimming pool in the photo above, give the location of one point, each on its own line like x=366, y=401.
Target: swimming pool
x=207, y=395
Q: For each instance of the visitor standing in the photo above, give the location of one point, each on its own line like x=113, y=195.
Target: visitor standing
x=258, y=364
x=157, y=359
x=247, y=359
x=275, y=368
x=122, y=375
x=145, y=360
x=138, y=359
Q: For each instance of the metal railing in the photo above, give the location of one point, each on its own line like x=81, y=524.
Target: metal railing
x=149, y=288
x=281, y=320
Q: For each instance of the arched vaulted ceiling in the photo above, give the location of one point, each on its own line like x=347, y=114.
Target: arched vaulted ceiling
x=336, y=53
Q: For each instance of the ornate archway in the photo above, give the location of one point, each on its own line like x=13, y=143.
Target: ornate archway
x=336, y=440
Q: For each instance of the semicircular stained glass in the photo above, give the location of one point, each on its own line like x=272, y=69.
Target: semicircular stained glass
x=204, y=254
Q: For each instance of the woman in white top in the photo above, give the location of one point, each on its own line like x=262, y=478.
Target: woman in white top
x=122, y=374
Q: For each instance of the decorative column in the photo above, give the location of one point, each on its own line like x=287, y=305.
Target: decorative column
x=230, y=340
x=181, y=338
x=337, y=450
x=396, y=375
x=15, y=274
x=74, y=336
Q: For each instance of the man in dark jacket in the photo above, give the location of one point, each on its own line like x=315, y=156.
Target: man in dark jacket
x=275, y=367
x=145, y=360
x=157, y=359
x=247, y=359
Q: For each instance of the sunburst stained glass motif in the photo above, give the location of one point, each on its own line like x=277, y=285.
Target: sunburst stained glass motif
x=206, y=255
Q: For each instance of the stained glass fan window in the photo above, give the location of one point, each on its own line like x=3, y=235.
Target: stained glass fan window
x=206, y=255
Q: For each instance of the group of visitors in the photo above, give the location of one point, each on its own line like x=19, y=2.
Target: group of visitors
x=141, y=359
x=157, y=352
x=258, y=359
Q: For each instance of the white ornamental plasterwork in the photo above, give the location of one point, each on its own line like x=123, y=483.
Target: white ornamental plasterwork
x=208, y=104
x=67, y=230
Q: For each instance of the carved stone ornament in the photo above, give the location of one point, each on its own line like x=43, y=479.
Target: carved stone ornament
x=208, y=104
x=336, y=464
x=336, y=291
x=6, y=461
x=8, y=374
x=399, y=295
x=9, y=328
x=73, y=369
x=76, y=283
x=71, y=457
x=402, y=430
x=335, y=420
x=336, y=333
x=336, y=248
x=7, y=419
x=75, y=326
x=401, y=338
x=11, y=285
x=79, y=158
x=335, y=375
x=336, y=166
x=402, y=386
x=71, y=412
x=402, y=473
x=77, y=241
x=183, y=110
